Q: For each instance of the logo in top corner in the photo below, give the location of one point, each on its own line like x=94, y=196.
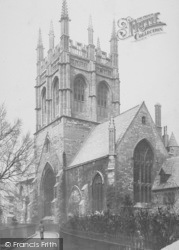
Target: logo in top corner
x=139, y=28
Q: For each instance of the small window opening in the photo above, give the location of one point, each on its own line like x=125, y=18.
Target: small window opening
x=143, y=120
x=47, y=145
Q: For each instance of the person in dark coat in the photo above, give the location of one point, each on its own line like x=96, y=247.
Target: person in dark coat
x=41, y=229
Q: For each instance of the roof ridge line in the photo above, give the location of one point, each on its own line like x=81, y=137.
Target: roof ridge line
x=129, y=109
x=131, y=121
x=121, y=113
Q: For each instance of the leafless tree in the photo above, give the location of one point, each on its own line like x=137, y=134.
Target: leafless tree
x=16, y=160
x=16, y=150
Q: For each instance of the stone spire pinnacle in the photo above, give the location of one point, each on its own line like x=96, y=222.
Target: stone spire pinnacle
x=111, y=123
x=112, y=136
x=90, y=31
x=91, y=47
x=98, y=45
x=98, y=51
x=64, y=13
x=40, y=48
x=64, y=27
x=172, y=142
x=51, y=37
x=51, y=32
x=114, y=46
x=40, y=38
x=90, y=25
x=113, y=34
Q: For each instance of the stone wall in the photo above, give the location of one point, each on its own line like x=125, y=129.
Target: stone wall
x=55, y=132
x=75, y=133
x=82, y=177
x=19, y=231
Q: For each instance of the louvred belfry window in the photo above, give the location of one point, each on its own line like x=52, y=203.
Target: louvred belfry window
x=143, y=163
x=97, y=193
x=79, y=94
x=44, y=111
x=56, y=98
x=102, y=100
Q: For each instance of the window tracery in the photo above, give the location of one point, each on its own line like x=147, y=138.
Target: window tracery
x=79, y=94
x=143, y=162
x=102, y=100
x=44, y=106
x=56, y=99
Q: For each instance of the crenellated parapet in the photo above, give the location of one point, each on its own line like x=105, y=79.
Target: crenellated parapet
x=78, y=49
x=81, y=50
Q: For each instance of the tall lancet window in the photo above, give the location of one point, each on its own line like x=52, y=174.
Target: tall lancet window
x=44, y=108
x=143, y=163
x=102, y=100
x=55, y=96
x=97, y=193
x=79, y=94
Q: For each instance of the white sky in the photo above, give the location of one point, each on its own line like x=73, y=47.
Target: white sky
x=149, y=69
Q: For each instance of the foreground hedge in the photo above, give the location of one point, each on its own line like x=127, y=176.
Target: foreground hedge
x=160, y=226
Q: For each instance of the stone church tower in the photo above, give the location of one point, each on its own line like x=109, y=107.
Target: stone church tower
x=77, y=87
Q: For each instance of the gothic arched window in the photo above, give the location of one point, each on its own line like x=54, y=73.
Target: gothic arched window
x=79, y=94
x=102, y=99
x=143, y=162
x=55, y=96
x=48, y=190
x=44, y=111
x=97, y=193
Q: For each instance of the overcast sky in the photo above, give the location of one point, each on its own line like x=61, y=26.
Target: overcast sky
x=149, y=69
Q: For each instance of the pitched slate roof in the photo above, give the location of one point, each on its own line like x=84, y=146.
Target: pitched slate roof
x=172, y=142
x=170, y=167
x=97, y=144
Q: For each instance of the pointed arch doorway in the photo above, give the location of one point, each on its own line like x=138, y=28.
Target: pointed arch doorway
x=48, y=182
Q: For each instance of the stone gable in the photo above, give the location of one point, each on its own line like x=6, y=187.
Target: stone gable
x=136, y=132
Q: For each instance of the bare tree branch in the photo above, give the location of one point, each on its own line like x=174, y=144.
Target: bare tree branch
x=16, y=151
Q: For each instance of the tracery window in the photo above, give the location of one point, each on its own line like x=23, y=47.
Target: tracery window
x=102, y=100
x=143, y=162
x=79, y=94
x=44, y=111
x=97, y=193
x=55, y=98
